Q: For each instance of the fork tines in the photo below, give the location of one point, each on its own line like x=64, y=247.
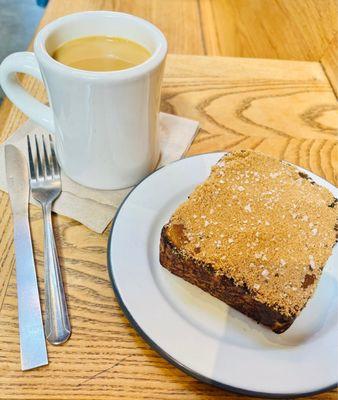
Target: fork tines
x=46, y=166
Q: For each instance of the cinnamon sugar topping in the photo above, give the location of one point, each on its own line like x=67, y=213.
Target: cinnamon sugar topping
x=263, y=225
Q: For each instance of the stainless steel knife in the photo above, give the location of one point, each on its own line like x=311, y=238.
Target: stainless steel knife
x=32, y=338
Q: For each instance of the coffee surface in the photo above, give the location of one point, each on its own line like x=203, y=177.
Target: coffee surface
x=101, y=53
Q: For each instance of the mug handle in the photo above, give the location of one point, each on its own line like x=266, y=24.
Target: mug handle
x=26, y=63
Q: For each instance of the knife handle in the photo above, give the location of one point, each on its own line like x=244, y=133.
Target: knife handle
x=32, y=340
x=57, y=325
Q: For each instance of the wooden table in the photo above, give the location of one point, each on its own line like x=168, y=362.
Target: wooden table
x=284, y=108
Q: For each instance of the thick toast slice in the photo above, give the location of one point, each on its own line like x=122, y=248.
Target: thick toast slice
x=256, y=235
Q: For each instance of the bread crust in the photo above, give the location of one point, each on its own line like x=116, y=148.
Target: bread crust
x=218, y=285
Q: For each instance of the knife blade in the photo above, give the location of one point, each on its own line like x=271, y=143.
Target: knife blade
x=32, y=339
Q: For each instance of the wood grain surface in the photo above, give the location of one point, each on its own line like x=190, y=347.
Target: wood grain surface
x=284, y=108
x=283, y=29
x=330, y=63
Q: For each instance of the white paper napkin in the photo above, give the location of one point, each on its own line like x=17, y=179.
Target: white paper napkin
x=96, y=208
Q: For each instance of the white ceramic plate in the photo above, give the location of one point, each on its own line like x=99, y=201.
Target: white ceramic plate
x=200, y=334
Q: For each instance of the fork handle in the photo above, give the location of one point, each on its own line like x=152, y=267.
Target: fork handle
x=57, y=325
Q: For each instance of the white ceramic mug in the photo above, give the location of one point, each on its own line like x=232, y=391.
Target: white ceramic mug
x=105, y=123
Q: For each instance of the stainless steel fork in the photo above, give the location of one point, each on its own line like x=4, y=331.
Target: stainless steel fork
x=45, y=184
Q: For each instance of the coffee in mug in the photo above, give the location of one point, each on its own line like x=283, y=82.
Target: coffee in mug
x=103, y=72
x=101, y=53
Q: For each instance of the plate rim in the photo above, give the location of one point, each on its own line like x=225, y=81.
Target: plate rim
x=158, y=348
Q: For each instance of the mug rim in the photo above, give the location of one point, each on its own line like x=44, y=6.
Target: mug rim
x=151, y=63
